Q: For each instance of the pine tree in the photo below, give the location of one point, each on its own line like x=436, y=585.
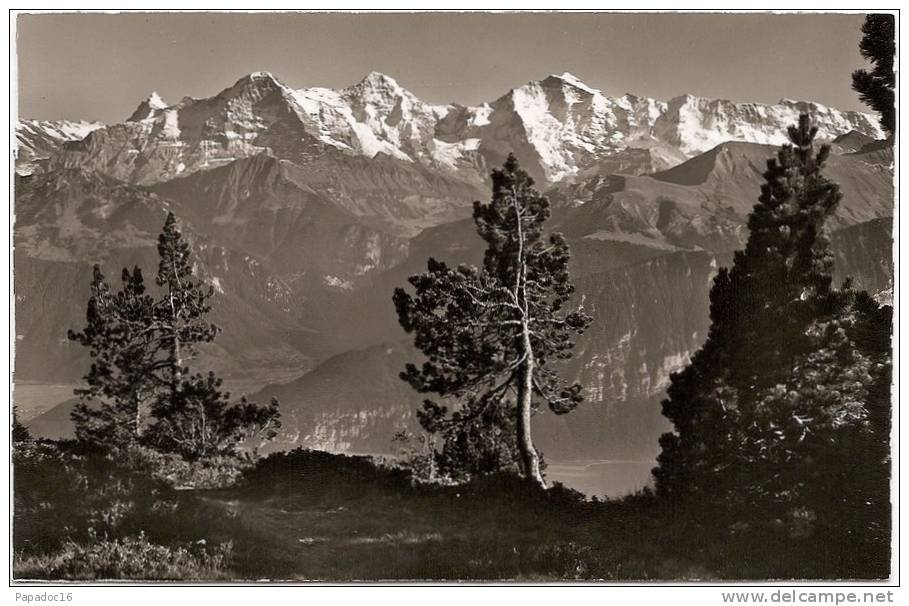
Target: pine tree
x=139, y=388
x=490, y=334
x=201, y=422
x=793, y=373
x=122, y=383
x=876, y=88
x=180, y=314
x=194, y=418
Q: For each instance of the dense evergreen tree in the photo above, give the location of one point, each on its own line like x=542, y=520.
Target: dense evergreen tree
x=201, y=422
x=876, y=88
x=490, y=334
x=481, y=444
x=139, y=387
x=123, y=381
x=785, y=409
x=180, y=314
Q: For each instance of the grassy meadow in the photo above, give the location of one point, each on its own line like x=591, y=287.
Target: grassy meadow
x=312, y=516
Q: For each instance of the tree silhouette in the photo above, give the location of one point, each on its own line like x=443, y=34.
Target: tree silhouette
x=201, y=422
x=139, y=388
x=876, y=88
x=786, y=405
x=180, y=314
x=124, y=378
x=490, y=334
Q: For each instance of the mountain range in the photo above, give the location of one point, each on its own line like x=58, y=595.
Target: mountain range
x=559, y=126
x=305, y=208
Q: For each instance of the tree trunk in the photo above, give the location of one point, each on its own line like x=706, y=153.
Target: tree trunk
x=176, y=361
x=530, y=459
x=138, y=416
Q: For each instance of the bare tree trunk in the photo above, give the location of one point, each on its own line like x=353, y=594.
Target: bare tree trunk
x=138, y=416
x=176, y=361
x=135, y=396
x=430, y=450
x=530, y=459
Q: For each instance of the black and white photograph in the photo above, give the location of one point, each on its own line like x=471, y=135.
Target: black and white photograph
x=461, y=297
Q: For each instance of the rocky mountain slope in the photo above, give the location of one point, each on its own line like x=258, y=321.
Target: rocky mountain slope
x=704, y=202
x=649, y=317
x=37, y=140
x=68, y=221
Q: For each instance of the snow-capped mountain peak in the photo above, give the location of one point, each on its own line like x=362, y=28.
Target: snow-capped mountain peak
x=69, y=130
x=155, y=101
x=696, y=124
x=378, y=81
x=379, y=116
x=37, y=140
x=572, y=80
x=149, y=108
x=254, y=85
x=260, y=78
x=381, y=92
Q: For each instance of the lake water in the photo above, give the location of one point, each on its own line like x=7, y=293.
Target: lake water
x=32, y=399
x=602, y=478
x=593, y=478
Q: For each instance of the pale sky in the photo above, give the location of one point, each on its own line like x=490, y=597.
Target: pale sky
x=99, y=67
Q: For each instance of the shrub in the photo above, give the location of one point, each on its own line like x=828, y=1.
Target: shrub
x=175, y=471
x=127, y=558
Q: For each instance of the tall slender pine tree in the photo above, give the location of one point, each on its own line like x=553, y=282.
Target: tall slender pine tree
x=491, y=334
x=180, y=314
